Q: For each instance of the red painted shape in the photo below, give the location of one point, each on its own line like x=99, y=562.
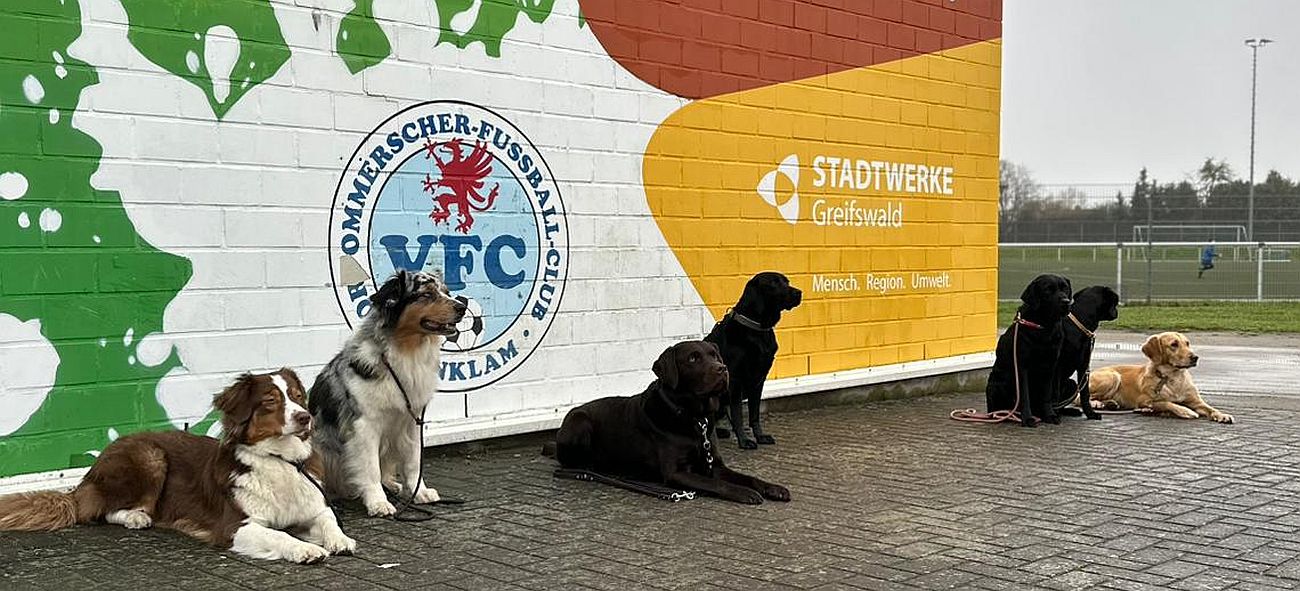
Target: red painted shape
x=703, y=48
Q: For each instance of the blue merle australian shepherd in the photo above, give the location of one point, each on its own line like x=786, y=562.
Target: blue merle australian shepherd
x=368, y=400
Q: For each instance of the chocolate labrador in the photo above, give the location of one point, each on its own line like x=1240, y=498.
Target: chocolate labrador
x=1024, y=367
x=665, y=434
x=748, y=346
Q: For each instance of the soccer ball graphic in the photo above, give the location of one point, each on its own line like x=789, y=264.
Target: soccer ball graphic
x=470, y=328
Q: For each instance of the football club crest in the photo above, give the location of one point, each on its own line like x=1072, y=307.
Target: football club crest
x=453, y=187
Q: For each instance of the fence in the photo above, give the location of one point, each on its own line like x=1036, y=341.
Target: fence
x=1158, y=270
x=1111, y=213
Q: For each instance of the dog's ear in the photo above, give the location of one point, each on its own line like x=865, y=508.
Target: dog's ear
x=236, y=411
x=1153, y=349
x=390, y=294
x=1069, y=288
x=752, y=299
x=665, y=367
x=1030, y=295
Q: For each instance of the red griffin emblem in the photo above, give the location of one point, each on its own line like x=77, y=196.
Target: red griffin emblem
x=459, y=184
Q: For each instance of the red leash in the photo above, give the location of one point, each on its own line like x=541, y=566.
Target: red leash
x=971, y=415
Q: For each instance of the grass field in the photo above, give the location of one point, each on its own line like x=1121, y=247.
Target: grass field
x=1173, y=272
x=1240, y=317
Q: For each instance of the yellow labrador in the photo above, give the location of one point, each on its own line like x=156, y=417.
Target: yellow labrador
x=1163, y=385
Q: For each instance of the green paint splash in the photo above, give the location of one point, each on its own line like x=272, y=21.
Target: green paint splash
x=92, y=280
x=495, y=18
x=360, y=42
x=176, y=33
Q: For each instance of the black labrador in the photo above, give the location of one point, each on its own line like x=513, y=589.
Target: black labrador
x=748, y=346
x=664, y=434
x=1092, y=306
x=1028, y=352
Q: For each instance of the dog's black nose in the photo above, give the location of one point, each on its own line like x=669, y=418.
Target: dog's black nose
x=302, y=419
x=1196, y=358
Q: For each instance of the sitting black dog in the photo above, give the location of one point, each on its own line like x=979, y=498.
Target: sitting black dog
x=1024, y=376
x=1092, y=305
x=748, y=346
x=664, y=434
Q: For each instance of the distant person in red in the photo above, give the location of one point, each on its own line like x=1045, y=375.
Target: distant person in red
x=1207, y=259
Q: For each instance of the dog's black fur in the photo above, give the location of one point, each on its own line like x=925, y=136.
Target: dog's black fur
x=658, y=435
x=1046, y=302
x=749, y=351
x=1092, y=305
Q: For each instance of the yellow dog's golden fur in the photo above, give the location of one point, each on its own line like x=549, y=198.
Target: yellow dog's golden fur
x=1162, y=385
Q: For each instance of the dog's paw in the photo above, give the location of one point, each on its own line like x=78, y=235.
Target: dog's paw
x=1186, y=413
x=340, y=544
x=141, y=520
x=306, y=553
x=747, y=443
x=1220, y=417
x=1092, y=415
x=722, y=432
x=1029, y=422
x=749, y=496
x=777, y=492
x=380, y=508
x=765, y=439
x=426, y=495
x=1054, y=419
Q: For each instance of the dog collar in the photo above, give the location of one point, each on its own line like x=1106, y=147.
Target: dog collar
x=1027, y=324
x=748, y=322
x=1086, y=332
x=673, y=406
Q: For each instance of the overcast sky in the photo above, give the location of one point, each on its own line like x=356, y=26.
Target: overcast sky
x=1093, y=90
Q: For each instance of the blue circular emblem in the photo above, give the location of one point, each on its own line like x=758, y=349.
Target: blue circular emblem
x=453, y=187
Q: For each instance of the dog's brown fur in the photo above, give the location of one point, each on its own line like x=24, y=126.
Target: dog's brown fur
x=182, y=481
x=1163, y=385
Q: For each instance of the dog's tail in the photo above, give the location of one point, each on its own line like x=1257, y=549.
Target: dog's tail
x=43, y=511
x=548, y=449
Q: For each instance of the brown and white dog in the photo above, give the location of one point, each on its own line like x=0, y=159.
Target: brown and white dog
x=242, y=492
x=1162, y=385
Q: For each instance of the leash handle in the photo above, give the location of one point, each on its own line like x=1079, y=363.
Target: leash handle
x=971, y=415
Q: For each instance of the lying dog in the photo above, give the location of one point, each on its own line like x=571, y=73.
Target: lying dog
x=748, y=346
x=1024, y=369
x=241, y=492
x=1092, y=306
x=664, y=434
x=1162, y=385
x=369, y=400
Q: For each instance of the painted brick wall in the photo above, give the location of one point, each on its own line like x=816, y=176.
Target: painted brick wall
x=170, y=184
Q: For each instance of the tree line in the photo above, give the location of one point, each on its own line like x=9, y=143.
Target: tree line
x=1213, y=195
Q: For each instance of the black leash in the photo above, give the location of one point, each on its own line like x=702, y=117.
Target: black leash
x=409, y=504
x=662, y=493
x=301, y=467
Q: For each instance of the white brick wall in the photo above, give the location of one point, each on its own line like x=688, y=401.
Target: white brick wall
x=246, y=199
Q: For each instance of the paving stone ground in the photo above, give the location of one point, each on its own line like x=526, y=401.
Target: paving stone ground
x=887, y=495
